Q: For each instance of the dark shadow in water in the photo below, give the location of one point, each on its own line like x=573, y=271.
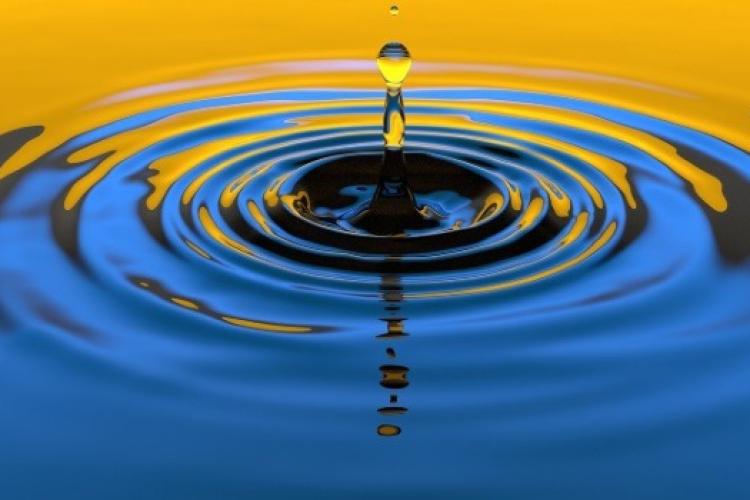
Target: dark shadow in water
x=635, y=222
x=64, y=221
x=152, y=219
x=6, y=323
x=45, y=311
x=393, y=209
x=730, y=228
x=10, y=143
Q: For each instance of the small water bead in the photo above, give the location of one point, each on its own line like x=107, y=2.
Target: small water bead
x=394, y=63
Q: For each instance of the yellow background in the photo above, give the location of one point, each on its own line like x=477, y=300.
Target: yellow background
x=57, y=54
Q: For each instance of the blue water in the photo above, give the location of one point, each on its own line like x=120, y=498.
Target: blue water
x=143, y=356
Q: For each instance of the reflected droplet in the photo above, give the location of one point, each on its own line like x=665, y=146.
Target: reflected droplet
x=389, y=430
x=394, y=10
x=392, y=410
x=394, y=376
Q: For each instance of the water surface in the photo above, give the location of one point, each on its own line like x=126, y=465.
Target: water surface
x=166, y=332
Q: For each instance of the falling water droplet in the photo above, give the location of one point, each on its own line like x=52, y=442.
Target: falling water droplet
x=394, y=63
x=394, y=10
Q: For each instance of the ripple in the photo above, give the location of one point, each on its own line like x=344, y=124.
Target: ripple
x=207, y=204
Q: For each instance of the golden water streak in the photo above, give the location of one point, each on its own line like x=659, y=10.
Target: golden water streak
x=189, y=304
x=195, y=248
x=493, y=200
x=217, y=234
x=576, y=230
x=229, y=195
x=515, y=195
x=197, y=306
x=532, y=213
x=559, y=201
x=270, y=327
x=257, y=215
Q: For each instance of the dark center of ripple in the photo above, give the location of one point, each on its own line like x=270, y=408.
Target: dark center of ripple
x=351, y=202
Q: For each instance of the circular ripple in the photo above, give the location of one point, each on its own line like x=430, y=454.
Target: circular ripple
x=232, y=192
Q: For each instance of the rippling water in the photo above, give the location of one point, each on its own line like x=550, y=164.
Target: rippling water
x=168, y=333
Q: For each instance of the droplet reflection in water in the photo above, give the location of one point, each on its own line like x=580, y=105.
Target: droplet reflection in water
x=389, y=430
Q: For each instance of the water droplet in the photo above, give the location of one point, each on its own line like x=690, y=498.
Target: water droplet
x=394, y=10
x=394, y=63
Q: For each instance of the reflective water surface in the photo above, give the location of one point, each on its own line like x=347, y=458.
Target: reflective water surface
x=193, y=305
